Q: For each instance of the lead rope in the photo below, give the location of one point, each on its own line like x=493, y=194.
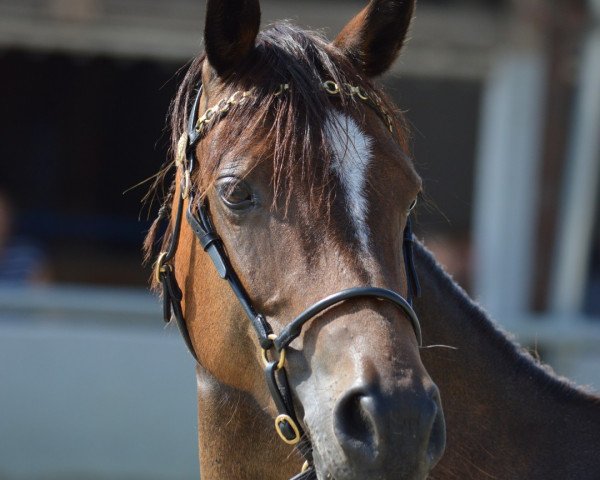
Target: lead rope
x=286, y=423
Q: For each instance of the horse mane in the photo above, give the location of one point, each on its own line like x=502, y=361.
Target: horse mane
x=517, y=355
x=293, y=122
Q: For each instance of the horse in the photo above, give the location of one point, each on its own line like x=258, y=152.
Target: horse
x=291, y=200
x=508, y=416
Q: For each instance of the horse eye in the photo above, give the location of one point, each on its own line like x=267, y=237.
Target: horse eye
x=235, y=194
x=412, y=205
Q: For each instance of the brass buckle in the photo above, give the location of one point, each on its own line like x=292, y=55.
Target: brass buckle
x=287, y=419
x=159, y=267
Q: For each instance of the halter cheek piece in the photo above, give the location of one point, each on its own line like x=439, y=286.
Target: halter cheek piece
x=273, y=346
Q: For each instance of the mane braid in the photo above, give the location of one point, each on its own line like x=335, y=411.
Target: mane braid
x=293, y=122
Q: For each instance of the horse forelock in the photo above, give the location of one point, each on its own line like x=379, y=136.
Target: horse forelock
x=295, y=124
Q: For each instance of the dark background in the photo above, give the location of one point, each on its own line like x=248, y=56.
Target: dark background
x=80, y=132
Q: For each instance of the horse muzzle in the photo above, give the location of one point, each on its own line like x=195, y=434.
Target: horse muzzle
x=375, y=437
x=370, y=412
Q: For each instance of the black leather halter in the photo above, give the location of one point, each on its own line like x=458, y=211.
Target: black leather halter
x=273, y=346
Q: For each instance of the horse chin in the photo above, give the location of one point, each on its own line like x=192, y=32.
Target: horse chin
x=332, y=463
x=325, y=476
x=323, y=473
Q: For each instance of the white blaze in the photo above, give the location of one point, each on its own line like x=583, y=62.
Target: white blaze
x=351, y=149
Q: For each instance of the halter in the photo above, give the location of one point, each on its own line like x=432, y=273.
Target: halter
x=273, y=346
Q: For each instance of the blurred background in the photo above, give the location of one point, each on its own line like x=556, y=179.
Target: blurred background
x=504, y=100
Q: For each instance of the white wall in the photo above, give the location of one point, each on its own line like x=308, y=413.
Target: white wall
x=84, y=400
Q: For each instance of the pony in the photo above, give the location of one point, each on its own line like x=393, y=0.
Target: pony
x=294, y=171
x=508, y=417
x=306, y=177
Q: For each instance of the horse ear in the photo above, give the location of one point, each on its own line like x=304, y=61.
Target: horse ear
x=373, y=39
x=230, y=32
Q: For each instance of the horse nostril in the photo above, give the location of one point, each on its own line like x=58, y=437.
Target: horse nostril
x=355, y=425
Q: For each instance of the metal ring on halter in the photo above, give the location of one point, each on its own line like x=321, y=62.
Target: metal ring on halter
x=159, y=267
x=287, y=419
x=223, y=106
x=281, y=361
x=331, y=87
x=358, y=91
x=361, y=93
x=235, y=97
x=204, y=119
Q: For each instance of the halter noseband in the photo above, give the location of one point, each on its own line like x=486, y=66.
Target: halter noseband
x=198, y=217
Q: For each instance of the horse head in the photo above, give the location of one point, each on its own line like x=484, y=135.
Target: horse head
x=296, y=178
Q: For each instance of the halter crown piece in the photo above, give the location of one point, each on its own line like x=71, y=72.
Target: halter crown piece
x=273, y=346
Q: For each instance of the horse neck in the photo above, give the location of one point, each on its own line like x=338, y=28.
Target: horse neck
x=506, y=416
